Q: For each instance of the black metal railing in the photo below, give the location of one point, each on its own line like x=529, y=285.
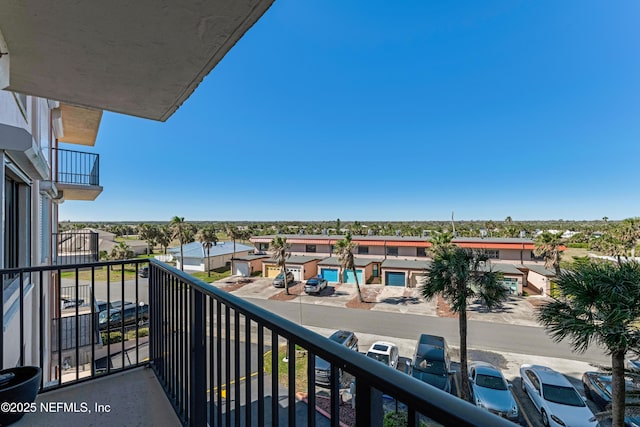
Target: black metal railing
x=76, y=247
x=91, y=318
x=77, y=167
x=210, y=351
x=218, y=357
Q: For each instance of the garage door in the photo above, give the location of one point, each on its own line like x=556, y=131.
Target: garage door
x=394, y=279
x=272, y=271
x=242, y=268
x=350, y=277
x=329, y=274
x=297, y=272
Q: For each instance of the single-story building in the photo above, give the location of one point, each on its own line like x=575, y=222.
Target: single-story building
x=195, y=256
x=302, y=267
x=538, y=277
x=366, y=269
x=404, y=272
x=512, y=277
x=246, y=265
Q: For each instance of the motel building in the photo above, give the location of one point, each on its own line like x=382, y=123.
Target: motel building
x=404, y=260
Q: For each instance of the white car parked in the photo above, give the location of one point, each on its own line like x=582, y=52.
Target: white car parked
x=384, y=352
x=491, y=391
x=558, y=402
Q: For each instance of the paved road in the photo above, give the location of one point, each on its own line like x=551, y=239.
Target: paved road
x=483, y=335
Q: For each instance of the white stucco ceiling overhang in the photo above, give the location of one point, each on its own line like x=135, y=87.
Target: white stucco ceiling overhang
x=142, y=58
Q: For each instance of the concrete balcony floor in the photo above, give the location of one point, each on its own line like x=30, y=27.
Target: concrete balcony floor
x=135, y=398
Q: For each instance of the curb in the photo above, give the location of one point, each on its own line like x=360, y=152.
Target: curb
x=301, y=395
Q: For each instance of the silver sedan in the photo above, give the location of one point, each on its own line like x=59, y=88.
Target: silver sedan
x=491, y=391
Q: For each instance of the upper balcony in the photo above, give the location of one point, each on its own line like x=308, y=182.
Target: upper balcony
x=211, y=356
x=77, y=174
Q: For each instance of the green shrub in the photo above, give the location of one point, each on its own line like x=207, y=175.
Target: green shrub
x=112, y=338
x=395, y=419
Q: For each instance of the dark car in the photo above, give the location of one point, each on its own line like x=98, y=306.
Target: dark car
x=597, y=388
x=115, y=317
x=323, y=368
x=315, y=285
x=144, y=271
x=432, y=363
x=278, y=282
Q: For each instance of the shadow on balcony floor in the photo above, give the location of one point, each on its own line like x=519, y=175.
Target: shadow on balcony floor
x=135, y=398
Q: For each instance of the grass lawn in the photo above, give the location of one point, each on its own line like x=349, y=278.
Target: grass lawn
x=283, y=367
x=217, y=274
x=101, y=273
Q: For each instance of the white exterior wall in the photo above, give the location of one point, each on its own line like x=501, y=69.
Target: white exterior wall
x=540, y=282
x=34, y=117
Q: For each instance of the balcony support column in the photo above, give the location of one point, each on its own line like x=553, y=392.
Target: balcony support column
x=198, y=379
x=368, y=405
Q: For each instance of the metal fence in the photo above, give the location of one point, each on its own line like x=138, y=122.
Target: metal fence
x=77, y=167
x=208, y=350
x=76, y=247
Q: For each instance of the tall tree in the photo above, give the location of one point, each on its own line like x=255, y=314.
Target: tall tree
x=148, y=233
x=344, y=249
x=599, y=303
x=164, y=237
x=121, y=251
x=338, y=226
x=207, y=236
x=441, y=239
x=461, y=275
x=547, y=245
x=279, y=248
x=628, y=234
x=182, y=231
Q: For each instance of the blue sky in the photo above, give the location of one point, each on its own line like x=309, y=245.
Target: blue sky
x=362, y=111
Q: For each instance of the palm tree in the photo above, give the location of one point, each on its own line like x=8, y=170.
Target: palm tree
x=207, y=236
x=548, y=245
x=183, y=232
x=441, y=239
x=599, y=302
x=279, y=248
x=164, y=237
x=461, y=275
x=628, y=233
x=149, y=233
x=344, y=249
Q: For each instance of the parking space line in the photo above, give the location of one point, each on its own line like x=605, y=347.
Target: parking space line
x=524, y=414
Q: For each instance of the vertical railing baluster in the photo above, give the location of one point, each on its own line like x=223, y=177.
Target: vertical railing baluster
x=198, y=390
x=219, y=360
x=236, y=363
x=212, y=361
x=138, y=315
x=2, y=322
x=261, y=374
x=334, y=384
x=108, y=330
x=412, y=417
x=311, y=389
x=93, y=320
x=58, y=312
x=21, y=299
x=275, y=358
x=77, y=323
x=369, y=410
x=40, y=324
x=180, y=319
x=291, y=392
x=122, y=304
x=227, y=364
x=248, y=371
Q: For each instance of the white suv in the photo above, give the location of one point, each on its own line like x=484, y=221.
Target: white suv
x=558, y=402
x=384, y=352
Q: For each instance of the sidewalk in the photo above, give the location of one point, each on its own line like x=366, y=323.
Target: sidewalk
x=516, y=311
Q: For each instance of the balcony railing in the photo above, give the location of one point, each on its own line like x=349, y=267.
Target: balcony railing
x=76, y=248
x=216, y=355
x=77, y=167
